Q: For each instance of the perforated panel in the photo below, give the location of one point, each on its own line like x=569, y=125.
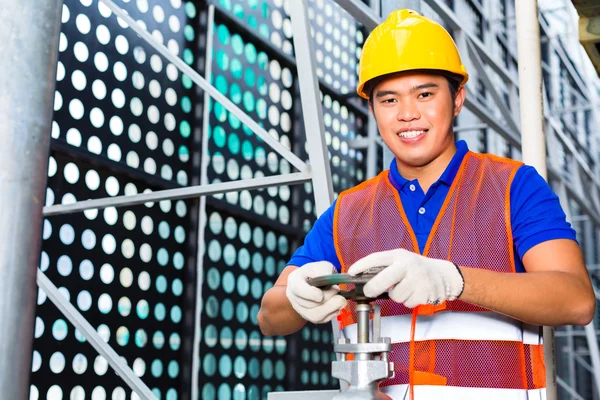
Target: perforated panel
x=122, y=125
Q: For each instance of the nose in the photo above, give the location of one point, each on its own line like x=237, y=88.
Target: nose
x=408, y=111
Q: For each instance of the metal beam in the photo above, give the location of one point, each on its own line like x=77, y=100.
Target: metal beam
x=202, y=218
x=448, y=15
x=88, y=331
x=361, y=12
x=207, y=87
x=29, y=32
x=491, y=87
x=181, y=193
x=568, y=388
x=564, y=58
x=312, y=110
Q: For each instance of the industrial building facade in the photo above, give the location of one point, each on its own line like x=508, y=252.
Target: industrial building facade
x=174, y=286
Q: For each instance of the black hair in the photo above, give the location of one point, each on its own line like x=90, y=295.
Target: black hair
x=453, y=84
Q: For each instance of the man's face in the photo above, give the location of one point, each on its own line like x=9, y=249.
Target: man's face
x=414, y=113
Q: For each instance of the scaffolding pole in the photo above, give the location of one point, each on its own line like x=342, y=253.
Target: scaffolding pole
x=533, y=143
x=29, y=44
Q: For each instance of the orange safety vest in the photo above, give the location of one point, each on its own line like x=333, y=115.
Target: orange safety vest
x=453, y=344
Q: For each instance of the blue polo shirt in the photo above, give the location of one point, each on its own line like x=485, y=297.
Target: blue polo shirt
x=535, y=213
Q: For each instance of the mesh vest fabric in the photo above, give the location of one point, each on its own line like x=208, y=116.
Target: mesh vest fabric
x=472, y=230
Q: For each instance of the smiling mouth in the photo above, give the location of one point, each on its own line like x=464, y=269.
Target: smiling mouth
x=411, y=134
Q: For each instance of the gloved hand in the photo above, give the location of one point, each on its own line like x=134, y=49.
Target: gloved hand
x=410, y=278
x=317, y=305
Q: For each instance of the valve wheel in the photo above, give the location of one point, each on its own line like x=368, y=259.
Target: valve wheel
x=355, y=293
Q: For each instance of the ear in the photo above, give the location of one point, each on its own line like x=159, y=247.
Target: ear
x=459, y=100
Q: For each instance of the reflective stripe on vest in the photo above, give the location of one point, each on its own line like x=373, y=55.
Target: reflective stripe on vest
x=455, y=344
x=427, y=392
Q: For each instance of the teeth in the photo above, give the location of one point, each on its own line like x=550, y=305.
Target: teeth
x=410, y=134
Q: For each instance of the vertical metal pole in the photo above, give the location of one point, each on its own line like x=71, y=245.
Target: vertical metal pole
x=532, y=130
x=312, y=111
x=202, y=218
x=29, y=46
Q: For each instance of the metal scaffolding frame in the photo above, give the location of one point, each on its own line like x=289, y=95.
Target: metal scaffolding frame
x=577, y=182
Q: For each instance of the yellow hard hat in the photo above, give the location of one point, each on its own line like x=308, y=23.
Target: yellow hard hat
x=407, y=41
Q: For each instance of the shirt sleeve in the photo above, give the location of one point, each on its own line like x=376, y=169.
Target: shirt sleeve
x=318, y=244
x=536, y=214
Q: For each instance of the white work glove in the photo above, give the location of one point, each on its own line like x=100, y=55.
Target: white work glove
x=317, y=305
x=410, y=278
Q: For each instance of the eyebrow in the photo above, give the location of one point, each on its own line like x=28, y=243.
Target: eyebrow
x=383, y=93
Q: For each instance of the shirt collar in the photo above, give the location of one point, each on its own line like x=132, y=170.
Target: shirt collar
x=447, y=176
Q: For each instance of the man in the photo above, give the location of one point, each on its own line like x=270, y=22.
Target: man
x=455, y=230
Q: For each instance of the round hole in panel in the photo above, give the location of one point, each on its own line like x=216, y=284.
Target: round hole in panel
x=109, y=244
x=79, y=365
x=254, y=368
x=112, y=186
x=176, y=314
x=121, y=44
x=230, y=228
x=141, y=338
x=156, y=63
x=162, y=256
x=122, y=336
x=100, y=365
x=66, y=234
x=139, y=368
x=177, y=287
x=144, y=280
x=107, y=273
x=59, y=329
x=225, y=368
x=76, y=109
x=81, y=52
x=129, y=220
x=39, y=327
x=94, y=145
x=104, y=10
x=212, y=307
x=142, y=309
x=86, y=270
x=98, y=89
x=209, y=365
x=124, y=306
x=64, y=265
x=36, y=363
x=74, y=137
x=110, y=215
x=104, y=303
x=213, y=278
x=241, y=312
x=114, y=152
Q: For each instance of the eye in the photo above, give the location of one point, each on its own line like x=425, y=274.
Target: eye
x=425, y=95
x=389, y=101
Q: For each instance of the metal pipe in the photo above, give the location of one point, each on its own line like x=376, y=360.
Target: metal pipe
x=533, y=143
x=363, y=312
x=29, y=35
x=362, y=326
